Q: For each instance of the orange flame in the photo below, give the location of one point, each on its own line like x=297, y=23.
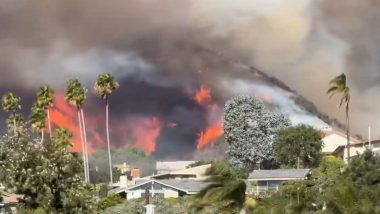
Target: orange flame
x=203, y=96
x=209, y=136
x=65, y=116
x=145, y=132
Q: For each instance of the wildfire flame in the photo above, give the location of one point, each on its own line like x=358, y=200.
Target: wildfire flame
x=65, y=116
x=214, y=130
x=209, y=136
x=141, y=132
x=203, y=96
x=145, y=132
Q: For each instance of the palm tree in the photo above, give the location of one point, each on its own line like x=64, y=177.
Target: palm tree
x=37, y=119
x=226, y=191
x=104, y=86
x=11, y=102
x=45, y=100
x=76, y=96
x=338, y=85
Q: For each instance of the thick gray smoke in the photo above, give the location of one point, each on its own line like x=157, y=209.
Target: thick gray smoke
x=157, y=47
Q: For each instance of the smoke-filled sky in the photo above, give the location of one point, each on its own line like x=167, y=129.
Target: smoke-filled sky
x=157, y=51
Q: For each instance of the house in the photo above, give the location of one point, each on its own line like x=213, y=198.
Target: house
x=9, y=202
x=357, y=148
x=334, y=141
x=266, y=181
x=197, y=172
x=162, y=188
x=164, y=167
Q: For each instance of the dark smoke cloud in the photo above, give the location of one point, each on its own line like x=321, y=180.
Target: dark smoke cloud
x=158, y=52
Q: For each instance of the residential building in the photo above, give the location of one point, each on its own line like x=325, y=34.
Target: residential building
x=163, y=188
x=197, y=173
x=357, y=148
x=265, y=181
x=164, y=167
x=334, y=142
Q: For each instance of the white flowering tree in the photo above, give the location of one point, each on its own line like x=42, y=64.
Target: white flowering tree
x=249, y=129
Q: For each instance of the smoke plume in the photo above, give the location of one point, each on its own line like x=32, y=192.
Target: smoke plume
x=162, y=52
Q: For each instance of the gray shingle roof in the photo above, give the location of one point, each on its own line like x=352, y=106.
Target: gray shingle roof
x=279, y=174
x=188, y=185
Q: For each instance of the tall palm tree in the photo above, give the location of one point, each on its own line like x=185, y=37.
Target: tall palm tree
x=38, y=119
x=76, y=96
x=338, y=86
x=45, y=100
x=11, y=103
x=104, y=86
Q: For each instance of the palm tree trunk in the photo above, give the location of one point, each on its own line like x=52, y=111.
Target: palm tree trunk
x=14, y=123
x=348, y=133
x=49, y=122
x=85, y=145
x=108, y=144
x=83, y=148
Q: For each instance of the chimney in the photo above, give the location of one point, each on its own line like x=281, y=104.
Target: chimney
x=135, y=173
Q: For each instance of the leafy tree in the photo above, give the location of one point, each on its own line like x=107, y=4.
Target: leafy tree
x=11, y=103
x=227, y=190
x=249, y=129
x=110, y=201
x=76, y=96
x=364, y=170
x=298, y=146
x=47, y=175
x=329, y=171
x=338, y=85
x=104, y=86
x=45, y=100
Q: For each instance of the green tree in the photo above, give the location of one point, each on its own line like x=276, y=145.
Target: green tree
x=12, y=103
x=364, y=170
x=338, y=86
x=45, y=100
x=249, y=130
x=298, y=146
x=76, y=96
x=329, y=172
x=226, y=191
x=47, y=175
x=104, y=86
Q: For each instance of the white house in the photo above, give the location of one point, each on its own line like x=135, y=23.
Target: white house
x=270, y=180
x=163, y=188
x=334, y=141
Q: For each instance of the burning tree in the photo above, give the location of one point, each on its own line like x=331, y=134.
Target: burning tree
x=249, y=129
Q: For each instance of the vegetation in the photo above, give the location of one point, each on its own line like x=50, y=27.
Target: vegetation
x=249, y=129
x=298, y=147
x=338, y=86
x=76, y=96
x=104, y=86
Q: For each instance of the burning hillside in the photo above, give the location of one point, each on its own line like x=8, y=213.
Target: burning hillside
x=176, y=69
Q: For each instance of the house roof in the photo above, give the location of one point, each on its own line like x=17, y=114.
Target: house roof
x=197, y=172
x=172, y=165
x=187, y=186
x=278, y=174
